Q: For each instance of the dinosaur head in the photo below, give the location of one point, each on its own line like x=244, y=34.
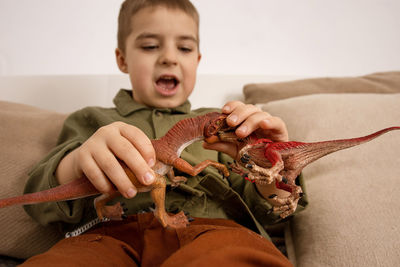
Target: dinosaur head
x=215, y=123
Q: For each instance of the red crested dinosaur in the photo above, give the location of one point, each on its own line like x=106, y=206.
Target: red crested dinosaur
x=168, y=150
x=263, y=161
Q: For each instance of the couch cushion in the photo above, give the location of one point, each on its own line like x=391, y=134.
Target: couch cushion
x=27, y=134
x=352, y=218
x=384, y=82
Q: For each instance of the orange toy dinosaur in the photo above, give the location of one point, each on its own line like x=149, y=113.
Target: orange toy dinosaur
x=168, y=150
x=263, y=161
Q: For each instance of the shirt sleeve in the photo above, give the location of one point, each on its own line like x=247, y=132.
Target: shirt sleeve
x=77, y=128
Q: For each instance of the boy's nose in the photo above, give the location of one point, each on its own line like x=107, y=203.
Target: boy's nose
x=168, y=57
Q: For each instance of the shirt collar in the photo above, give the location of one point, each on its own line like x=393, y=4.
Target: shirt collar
x=126, y=105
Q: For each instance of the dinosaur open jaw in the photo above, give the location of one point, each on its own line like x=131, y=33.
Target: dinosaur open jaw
x=167, y=85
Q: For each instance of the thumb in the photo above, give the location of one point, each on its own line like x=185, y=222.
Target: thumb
x=227, y=148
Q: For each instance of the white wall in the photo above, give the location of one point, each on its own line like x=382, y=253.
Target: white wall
x=271, y=37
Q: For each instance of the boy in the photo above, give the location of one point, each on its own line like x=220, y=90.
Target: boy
x=158, y=47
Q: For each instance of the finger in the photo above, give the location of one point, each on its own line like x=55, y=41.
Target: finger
x=128, y=153
x=140, y=141
x=252, y=123
x=115, y=173
x=230, y=106
x=241, y=113
x=276, y=127
x=227, y=148
x=95, y=175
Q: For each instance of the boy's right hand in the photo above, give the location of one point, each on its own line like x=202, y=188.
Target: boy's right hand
x=97, y=159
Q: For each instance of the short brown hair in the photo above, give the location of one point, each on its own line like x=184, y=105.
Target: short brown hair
x=131, y=7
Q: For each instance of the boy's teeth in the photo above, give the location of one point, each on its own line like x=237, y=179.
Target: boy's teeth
x=167, y=83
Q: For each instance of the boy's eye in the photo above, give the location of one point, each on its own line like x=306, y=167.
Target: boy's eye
x=185, y=49
x=149, y=47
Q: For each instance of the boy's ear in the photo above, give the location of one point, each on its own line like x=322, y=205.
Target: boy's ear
x=120, y=57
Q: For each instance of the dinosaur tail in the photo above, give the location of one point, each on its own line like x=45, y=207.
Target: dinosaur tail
x=76, y=189
x=309, y=152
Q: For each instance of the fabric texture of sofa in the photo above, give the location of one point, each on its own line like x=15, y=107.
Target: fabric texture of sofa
x=353, y=194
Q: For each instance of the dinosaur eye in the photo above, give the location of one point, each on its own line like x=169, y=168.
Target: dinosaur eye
x=209, y=131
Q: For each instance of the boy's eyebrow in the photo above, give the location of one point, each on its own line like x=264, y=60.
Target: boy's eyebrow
x=188, y=37
x=148, y=35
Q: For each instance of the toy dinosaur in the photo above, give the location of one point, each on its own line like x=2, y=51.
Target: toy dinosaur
x=262, y=161
x=168, y=150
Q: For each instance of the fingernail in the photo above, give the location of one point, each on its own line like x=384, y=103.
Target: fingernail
x=242, y=129
x=267, y=121
x=233, y=118
x=226, y=109
x=148, y=178
x=151, y=163
x=131, y=193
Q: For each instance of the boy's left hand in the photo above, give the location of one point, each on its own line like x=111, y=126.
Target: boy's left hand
x=252, y=119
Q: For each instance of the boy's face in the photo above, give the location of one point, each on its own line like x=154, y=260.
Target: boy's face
x=161, y=56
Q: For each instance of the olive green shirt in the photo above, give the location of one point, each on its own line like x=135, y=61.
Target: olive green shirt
x=205, y=195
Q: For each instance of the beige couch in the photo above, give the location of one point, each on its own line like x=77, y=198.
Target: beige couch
x=352, y=219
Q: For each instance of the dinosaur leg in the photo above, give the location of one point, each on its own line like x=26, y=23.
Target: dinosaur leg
x=252, y=172
x=287, y=206
x=175, y=180
x=158, y=195
x=262, y=174
x=113, y=212
x=277, y=165
x=185, y=167
x=235, y=167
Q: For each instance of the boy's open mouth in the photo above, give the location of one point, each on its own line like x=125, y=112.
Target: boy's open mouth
x=166, y=84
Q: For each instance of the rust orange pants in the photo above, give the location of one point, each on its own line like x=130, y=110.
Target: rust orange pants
x=140, y=240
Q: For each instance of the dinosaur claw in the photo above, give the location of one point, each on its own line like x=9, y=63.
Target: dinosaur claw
x=175, y=211
x=244, y=159
x=249, y=166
